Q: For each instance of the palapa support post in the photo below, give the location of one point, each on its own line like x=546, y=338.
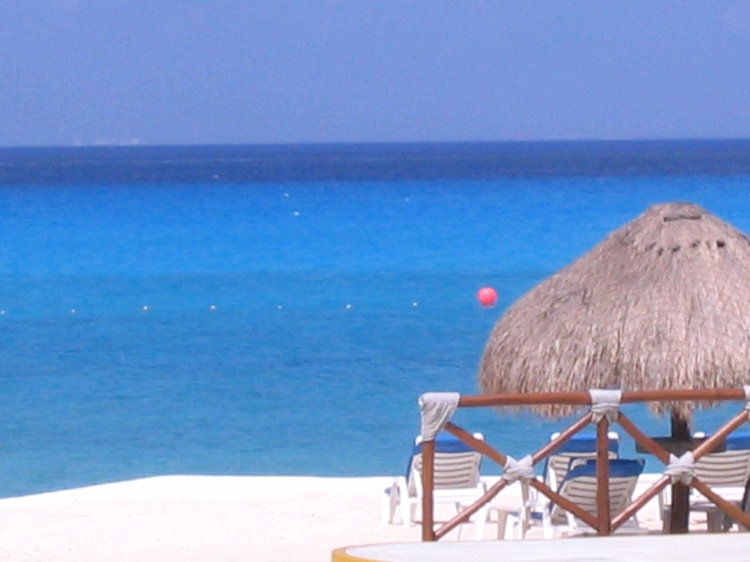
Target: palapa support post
x=602, y=477
x=428, y=488
x=680, y=509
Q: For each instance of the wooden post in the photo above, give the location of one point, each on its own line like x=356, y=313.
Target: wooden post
x=602, y=477
x=428, y=488
x=680, y=510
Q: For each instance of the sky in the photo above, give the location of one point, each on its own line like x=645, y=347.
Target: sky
x=155, y=72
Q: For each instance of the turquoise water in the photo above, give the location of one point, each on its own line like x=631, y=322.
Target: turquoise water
x=156, y=319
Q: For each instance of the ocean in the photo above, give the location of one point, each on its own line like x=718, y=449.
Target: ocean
x=278, y=310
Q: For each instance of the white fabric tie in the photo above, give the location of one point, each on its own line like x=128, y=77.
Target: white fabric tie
x=437, y=408
x=746, y=388
x=681, y=469
x=605, y=403
x=518, y=469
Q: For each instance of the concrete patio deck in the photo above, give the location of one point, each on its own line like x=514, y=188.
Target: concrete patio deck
x=724, y=547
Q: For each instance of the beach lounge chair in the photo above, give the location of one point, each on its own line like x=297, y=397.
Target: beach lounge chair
x=727, y=473
x=579, y=486
x=457, y=481
x=580, y=446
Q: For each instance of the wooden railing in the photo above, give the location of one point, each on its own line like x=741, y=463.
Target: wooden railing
x=602, y=522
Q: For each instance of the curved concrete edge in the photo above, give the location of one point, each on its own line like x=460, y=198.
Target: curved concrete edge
x=341, y=555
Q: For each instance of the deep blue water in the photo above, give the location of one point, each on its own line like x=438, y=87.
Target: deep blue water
x=278, y=310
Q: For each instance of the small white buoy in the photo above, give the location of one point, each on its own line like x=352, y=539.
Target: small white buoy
x=145, y=307
x=296, y=213
x=348, y=307
x=415, y=303
x=2, y=312
x=72, y=310
x=212, y=307
x=280, y=307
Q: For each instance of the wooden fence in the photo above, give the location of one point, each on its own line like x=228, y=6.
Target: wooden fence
x=602, y=522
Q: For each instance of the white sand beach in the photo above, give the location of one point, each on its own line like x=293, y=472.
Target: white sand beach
x=199, y=518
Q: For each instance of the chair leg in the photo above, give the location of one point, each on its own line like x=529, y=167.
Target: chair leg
x=389, y=502
x=502, y=525
x=403, y=501
x=408, y=513
x=714, y=520
x=386, y=508
x=727, y=522
x=481, y=523
x=395, y=500
x=548, y=531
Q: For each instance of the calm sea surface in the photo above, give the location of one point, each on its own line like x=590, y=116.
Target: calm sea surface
x=278, y=310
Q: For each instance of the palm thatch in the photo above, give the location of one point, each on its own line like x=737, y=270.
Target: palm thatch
x=661, y=303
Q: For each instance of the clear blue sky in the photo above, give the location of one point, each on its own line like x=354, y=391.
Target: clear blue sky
x=279, y=71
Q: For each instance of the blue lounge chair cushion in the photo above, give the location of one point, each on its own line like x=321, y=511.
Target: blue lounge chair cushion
x=738, y=441
x=618, y=468
x=584, y=443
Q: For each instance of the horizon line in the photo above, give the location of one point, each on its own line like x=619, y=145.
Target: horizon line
x=411, y=143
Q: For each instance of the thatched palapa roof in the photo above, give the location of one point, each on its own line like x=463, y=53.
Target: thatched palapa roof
x=663, y=302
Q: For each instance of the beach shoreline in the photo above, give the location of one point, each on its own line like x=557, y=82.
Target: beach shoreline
x=231, y=518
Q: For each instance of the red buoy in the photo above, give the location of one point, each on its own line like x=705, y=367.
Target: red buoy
x=487, y=296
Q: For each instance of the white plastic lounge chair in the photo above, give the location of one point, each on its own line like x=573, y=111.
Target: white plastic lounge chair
x=726, y=472
x=579, y=486
x=457, y=481
x=580, y=446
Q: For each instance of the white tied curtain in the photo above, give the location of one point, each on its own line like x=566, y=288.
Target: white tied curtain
x=681, y=469
x=437, y=408
x=605, y=403
x=522, y=469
